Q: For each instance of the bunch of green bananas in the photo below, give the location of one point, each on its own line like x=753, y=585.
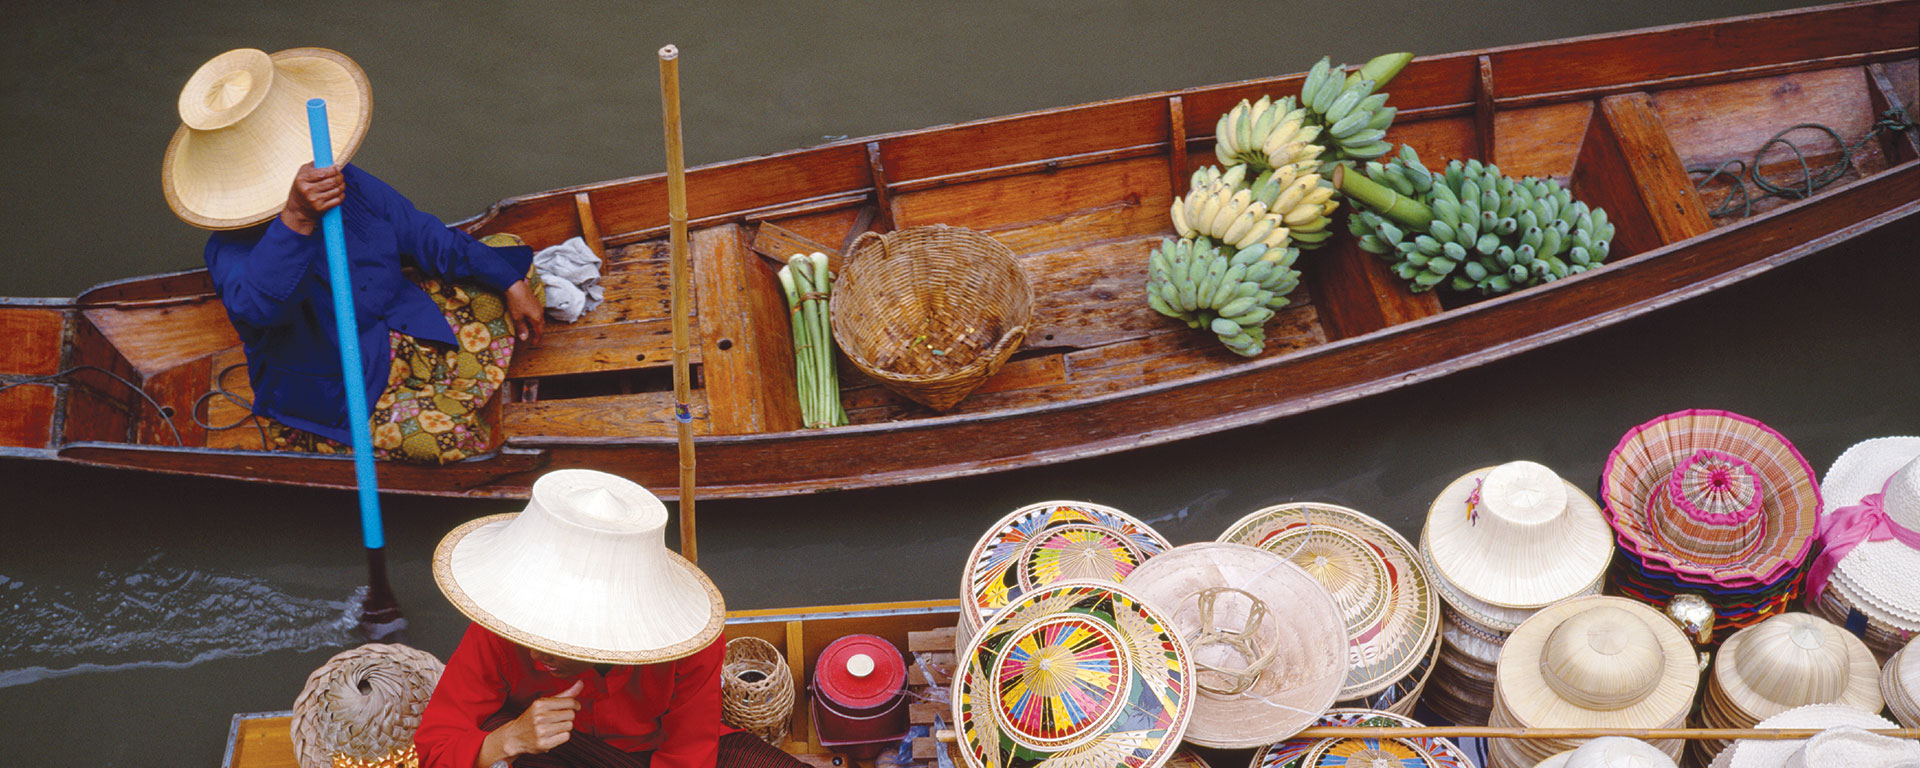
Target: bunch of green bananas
x=1353, y=117
x=1277, y=207
x=1486, y=230
x=1232, y=292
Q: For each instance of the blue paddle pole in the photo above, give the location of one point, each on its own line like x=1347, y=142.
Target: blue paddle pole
x=380, y=613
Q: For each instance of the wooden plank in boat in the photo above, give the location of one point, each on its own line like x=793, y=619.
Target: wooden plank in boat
x=33, y=340
x=1141, y=182
x=169, y=287
x=1022, y=138
x=635, y=205
x=262, y=740
x=1887, y=95
x=633, y=290
x=778, y=244
x=298, y=469
x=635, y=415
x=1092, y=295
x=603, y=347
x=746, y=337
x=174, y=389
x=221, y=411
x=1438, y=140
x=1358, y=294
x=1540, y=141
x=833, y=228
x=159, y=337
x=26, y=416
x=1629, y=167
x=97, y=405
x=1181, y=351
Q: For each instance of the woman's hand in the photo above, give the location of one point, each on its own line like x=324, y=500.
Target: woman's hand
x=315, y=191
x=525, y=311
x=546, y=724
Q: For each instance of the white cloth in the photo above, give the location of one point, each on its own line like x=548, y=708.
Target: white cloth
x=571, y=273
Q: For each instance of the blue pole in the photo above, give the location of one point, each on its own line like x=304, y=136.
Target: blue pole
x=353, y=377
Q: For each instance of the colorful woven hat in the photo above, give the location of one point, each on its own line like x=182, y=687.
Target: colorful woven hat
x=1268, y=651
x=243, y=132
x=1391, y=613
x=1871, y=531
x=1750, y=753
x=1517, y=536
x=1399, y=752
x=1680, y=491
x=1074, y=674
x=1041, y=543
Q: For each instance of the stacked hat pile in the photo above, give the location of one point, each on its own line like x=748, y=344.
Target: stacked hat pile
x=1900, y=683
x=1042, y=543
x=1387, y=603
x=1870, y=534
x=1500, y=544
x=1842, y=742
x=1713, y=503
x=1787, y=661
x=1594, y=662
x=1401, y=752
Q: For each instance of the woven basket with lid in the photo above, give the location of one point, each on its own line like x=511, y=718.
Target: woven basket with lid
x=931, y=312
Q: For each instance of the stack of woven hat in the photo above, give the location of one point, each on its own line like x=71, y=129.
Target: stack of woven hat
x=1610, y=752
x=1900, y=685
x=1842, y=742
x=1712, y=503
x=1500, y=544
x=1400, y=752
x=1787, y=661
x=1595, y=662
x=1864, y=578
x=1391, y=614
x=1041, y=543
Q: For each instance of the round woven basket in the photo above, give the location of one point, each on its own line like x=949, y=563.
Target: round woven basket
x=363, y=705
x=931, y=312
x=756, y=689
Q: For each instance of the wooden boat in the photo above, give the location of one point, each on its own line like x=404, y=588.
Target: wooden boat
x=1081, y=194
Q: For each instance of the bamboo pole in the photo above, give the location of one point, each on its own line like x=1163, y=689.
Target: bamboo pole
x=1488, y=732
x=677, y=224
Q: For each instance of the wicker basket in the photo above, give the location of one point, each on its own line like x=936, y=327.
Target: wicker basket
x=931, y=312
x=756, y=689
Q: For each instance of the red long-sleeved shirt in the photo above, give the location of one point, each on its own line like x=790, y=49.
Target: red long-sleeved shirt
x=671, y=708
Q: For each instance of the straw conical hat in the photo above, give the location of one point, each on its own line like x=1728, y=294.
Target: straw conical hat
x=1751, y=753
x=1610, y=752
x=244, y=131
x=1517, y=536
x=1399, y=752
x=1876, y=577
x=1265, y=636
x=583, y=573
x=1598, y=662
x=1795, y=659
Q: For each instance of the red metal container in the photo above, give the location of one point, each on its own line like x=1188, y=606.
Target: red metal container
x=860, y=696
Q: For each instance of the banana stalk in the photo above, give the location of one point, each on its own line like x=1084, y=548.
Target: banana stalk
x=1401, y=209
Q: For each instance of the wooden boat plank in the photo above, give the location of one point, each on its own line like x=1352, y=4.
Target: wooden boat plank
x=1892, y=87
x=221, y=411
x=1358, y=293
x=746, y=337
x=463, y=478
x=1021, y=138
x=1091, y=296
x=638, y=414
x=33, y=337
x=714, y=190
x=983, y=204
x=1020, y=373
x=262, y=740
x=97, y=407
x=156, y=338
x=175, y=389
x=835, y=229
x=632, y=290
x=1629, y=167
x=168, y=287
x=777, y=244
x=26, y=416
x=1540, y=141
x=585, y=348
x=1184, y=351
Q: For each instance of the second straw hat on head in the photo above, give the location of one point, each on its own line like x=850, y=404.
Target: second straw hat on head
x=1517, y=536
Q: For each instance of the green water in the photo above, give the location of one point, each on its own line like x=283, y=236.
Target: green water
x=143, y=611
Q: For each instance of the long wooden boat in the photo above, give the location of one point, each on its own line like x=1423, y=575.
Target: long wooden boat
x=1081, y=194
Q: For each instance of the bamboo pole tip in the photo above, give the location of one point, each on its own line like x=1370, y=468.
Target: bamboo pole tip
x=669, y=52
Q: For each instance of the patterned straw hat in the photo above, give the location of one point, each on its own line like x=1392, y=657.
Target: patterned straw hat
x=243, y=132
x=1266, y=639
x=1872, y=520
x=1041, y=543
x=1074, y=674
x=1517, y=536
x=1399, y=752
x=1391, y=613
x=1681, y=493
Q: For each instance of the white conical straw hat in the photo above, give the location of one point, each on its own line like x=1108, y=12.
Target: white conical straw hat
x=1598, y=662
x=1517, y=536
x=583, y=573
x=1750, y=753
x=244, y=131
x=1610, y=752
x=1795, y=659
x=1877, y=576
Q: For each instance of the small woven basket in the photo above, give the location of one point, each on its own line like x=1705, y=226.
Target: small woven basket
x=756, y=689
x=362, y=707
x=931, y=312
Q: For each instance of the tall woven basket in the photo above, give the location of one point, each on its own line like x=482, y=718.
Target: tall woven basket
x=931, y=312
x=756, y=689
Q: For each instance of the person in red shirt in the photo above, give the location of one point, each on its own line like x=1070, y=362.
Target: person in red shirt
x=592, y=645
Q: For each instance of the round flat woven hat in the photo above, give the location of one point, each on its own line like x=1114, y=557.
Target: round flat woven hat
x=1386, y=598
x=1074, y=674
x=1877, y=573
x=1268, y=651
x=1751, y=753
x=1517, y=536
x=1347, y=752
x=1598, y=662
x=583, y=572
x=1792, y=660
x=1042, y=543
x=364, y=705
x=1680, y=491
x=243, y=132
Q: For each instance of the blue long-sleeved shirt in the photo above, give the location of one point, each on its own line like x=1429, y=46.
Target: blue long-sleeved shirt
x=275, y=286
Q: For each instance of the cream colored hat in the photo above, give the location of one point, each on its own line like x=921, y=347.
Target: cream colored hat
x=1517, y=536
x=583, y=573
x=1795, y=659
x=1748, y=753
x=1610, y=752
x=1877, y=577
x=1598, y=662
x=244, y=131
x=1268, y=641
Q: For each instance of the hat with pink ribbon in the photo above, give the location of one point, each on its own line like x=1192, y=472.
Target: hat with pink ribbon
x=1870, y=534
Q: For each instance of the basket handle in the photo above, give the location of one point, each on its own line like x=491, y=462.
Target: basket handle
x=860, y=242
x=1005, y=347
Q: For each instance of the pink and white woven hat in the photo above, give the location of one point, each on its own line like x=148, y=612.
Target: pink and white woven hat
x=1871, y=531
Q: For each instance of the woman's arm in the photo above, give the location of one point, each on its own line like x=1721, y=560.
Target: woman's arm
x=255, y=280
x=692, y=722
x=472, y=688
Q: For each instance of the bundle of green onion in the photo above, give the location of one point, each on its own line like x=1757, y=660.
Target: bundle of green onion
x=809, y=286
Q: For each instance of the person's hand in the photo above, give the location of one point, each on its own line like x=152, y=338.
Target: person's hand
x=546, y=724
x=525, y=311
x=315, y=191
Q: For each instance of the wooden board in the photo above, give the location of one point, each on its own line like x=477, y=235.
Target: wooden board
x=457, y=479
x=635, y=415
x=33, y=340
x=617, y=346
x=26, y=416
x=156, y=338
x=1629, y=167
x=98, y=406
x=1540, y=141
x=174, y=389
x=262, y=741
x=746, y=337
